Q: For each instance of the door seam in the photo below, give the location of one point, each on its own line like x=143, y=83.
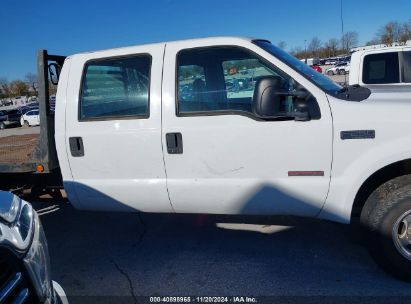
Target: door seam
x=161, y=129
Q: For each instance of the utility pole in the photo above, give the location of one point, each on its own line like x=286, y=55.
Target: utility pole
x=342, y=38
x=305, y=50
x=342, y=24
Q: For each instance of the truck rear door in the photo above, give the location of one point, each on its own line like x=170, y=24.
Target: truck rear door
x=113, y=130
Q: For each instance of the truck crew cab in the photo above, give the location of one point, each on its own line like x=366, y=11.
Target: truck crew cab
x=230, y=126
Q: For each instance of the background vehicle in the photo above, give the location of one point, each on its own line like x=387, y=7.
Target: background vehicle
x=317, y=68
x=382, y=68
x=23, y=110
x=30, y=118
x=311, y=61
x=24, y=258
x=331, y=61
x=9, y=118
x=340, y=69
x=263, y=146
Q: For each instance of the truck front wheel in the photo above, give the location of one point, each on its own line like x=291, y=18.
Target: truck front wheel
x=386, y=218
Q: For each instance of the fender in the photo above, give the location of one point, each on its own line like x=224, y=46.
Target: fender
x=344, y=187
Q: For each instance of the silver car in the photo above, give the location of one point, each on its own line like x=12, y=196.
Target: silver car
x=24, y=258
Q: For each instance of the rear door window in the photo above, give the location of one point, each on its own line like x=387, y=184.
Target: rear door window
x=115, y=88
x=381, y=68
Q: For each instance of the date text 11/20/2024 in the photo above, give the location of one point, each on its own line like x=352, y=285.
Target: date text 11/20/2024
x=234, y=299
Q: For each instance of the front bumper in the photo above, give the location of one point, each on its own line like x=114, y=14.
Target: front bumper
x=24, y=257
x=37, y=264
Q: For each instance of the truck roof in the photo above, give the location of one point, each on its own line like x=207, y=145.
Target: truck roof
x=382, y=50
x=211, y=40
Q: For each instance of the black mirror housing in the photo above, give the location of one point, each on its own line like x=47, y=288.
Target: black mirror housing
x=266, y=98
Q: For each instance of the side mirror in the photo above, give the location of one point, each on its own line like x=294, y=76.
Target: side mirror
x=267, y=97
x=54, y=73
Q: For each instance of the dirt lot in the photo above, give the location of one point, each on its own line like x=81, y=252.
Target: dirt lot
x=17, y=148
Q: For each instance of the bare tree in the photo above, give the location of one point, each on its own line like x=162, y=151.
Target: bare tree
x=349, y=40
x=405, y=32
x=282, y=45
x=18, y=88
x=332, y=47
x=296, y=51
x=4, y=87
x=314, y=46
x=373, y=41
x=31, y=80
x=390, y=33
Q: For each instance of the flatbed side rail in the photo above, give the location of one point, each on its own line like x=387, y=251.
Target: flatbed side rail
x=46, y=154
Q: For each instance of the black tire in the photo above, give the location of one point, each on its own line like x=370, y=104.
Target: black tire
x=382, y=210
x=341, y=72
x=26, y=124
x=2, y=126
x=330, y=73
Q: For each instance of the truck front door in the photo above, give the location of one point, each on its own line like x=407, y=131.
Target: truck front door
x=220, y=157
x=113, y=133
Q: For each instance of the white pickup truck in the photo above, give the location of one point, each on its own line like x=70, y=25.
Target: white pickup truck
x=175, y=127
x=383, y=69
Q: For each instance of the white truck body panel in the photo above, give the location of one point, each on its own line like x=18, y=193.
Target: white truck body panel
x=231, y=164
x=122, y=168
x=356, y=160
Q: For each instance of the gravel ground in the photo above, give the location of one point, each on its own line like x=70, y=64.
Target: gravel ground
x=120, y=257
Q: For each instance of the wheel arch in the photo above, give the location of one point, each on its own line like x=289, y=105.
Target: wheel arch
x=379, y=177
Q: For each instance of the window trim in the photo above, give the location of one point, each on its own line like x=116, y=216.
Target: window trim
x=400, y=80
x=114, y=117
x=228, y=112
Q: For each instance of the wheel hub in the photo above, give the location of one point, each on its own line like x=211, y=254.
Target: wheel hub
x=401, y=234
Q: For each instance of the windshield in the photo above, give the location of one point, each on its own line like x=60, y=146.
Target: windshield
x=317, y=78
